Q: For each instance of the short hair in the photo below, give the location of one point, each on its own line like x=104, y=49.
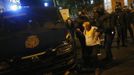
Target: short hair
x=86, y=23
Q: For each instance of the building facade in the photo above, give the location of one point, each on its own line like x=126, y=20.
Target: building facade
x=110, y=5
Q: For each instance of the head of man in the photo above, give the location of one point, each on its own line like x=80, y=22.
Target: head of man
x=87, y=25
x=118, y=9
x=69, y=21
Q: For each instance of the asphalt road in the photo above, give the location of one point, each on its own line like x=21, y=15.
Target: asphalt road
x=123, y=63
x=124, y=59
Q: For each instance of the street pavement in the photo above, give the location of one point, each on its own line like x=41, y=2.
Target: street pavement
x=124, y=59
x=123, y=63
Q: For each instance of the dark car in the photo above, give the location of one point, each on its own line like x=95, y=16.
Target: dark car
x=33, y=41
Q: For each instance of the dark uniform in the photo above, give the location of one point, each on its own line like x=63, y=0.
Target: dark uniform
x=132, y=17
x=109, y=36
x=79, y=28
x=121, y=26
x=79, y=32
x=104, y=23
x=109, y=31
x=129, y=18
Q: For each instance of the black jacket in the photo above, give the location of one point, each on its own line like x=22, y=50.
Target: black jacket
x=120, y=19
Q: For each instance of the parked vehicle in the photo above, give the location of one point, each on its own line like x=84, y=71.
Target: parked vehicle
x=33, y=40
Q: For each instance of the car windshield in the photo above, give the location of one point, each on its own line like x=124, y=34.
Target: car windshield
x=47, y=18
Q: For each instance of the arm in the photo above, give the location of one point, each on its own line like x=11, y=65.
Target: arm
x=96, y=34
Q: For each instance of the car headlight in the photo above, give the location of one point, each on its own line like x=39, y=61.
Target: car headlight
x=64, y=48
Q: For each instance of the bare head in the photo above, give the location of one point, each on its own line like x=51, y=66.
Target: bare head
x=87, y=25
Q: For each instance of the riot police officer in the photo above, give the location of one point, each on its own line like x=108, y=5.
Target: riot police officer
x=121, y=26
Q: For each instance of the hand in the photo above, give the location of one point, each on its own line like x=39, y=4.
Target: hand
x=78, y=30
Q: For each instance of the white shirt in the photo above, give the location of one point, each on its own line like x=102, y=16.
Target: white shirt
x=90, y=37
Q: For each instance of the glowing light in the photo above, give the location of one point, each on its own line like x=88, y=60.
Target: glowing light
x=126, y=2
x=92, y=2
x=108, y=5
x=15, y=7
x=46, y=4
x=112, y=32
x=15, y=1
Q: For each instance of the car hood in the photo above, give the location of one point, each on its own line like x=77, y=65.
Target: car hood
x=30, y=42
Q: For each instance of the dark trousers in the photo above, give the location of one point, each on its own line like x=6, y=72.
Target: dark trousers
x=90, y=56
x=81, y=38
x=121, y=35
x=108, y=44
x=131, y=32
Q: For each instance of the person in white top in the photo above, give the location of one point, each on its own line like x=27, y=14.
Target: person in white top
x=91, y=34
x=92, y=41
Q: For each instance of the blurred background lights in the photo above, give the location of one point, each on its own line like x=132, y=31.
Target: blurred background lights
x=46, y=4
x=13, y=7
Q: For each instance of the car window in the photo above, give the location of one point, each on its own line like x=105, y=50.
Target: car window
x=13, y=22
x=31, y=19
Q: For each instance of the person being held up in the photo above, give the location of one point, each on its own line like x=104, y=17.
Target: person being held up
x=92, y=42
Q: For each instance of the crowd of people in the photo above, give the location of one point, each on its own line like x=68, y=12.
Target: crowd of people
x=89, y=29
